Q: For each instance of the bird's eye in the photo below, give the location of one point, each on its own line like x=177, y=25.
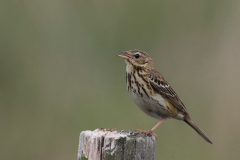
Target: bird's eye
x=137, y=56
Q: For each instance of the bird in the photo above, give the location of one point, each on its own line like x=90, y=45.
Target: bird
x=152, y=93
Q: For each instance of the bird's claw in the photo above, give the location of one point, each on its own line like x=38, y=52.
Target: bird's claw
x=147, y=132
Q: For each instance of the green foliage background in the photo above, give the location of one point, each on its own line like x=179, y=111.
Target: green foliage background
x=59, y=73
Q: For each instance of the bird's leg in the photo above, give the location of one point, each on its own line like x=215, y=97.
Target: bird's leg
x=151, y=130
x=158, y=124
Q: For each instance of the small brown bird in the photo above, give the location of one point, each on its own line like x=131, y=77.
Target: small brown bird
x=152, y=93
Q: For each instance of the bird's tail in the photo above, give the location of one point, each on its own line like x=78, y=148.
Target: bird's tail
x=198, y=130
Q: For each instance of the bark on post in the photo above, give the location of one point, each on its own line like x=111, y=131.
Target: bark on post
x=111, y=144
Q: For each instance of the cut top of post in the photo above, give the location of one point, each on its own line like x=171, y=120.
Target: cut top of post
x=106, y=144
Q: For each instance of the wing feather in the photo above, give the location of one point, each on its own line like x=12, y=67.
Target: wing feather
x=161, y=86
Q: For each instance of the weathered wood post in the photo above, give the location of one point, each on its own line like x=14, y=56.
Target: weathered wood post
x=111, y=144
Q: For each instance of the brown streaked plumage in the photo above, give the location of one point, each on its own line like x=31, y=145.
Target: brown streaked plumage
x=152, y=93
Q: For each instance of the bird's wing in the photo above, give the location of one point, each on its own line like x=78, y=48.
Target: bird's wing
x=161, y=86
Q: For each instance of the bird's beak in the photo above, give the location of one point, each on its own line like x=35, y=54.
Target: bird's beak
x=125, y=57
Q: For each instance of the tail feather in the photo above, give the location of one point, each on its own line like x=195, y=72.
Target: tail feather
x=197, y=129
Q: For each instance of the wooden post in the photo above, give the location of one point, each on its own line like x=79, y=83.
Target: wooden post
x=111, y=144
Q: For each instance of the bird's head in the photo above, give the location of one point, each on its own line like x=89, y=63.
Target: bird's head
x=137, y=58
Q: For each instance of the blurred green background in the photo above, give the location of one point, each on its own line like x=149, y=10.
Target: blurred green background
x=59, y=74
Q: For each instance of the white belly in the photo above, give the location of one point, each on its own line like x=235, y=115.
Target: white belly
x=154, y=106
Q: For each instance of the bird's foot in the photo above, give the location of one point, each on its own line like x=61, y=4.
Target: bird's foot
x=147, y=132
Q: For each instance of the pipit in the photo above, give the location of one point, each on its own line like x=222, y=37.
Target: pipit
x=152, y=93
